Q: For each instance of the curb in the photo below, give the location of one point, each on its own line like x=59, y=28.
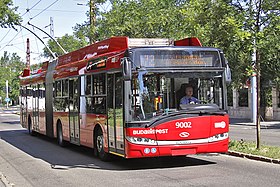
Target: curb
x=253, y=157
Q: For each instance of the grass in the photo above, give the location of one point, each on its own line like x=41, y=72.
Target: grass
x=251, y=148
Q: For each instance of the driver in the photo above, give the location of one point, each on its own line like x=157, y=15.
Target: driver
x=188, y=98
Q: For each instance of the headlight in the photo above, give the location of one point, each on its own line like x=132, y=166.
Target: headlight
x=218, y=137
x=141, y=141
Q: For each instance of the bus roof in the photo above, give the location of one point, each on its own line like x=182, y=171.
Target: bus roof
x=111, y=45
x=122, y=43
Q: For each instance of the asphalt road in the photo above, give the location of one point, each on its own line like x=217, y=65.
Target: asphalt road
x=38, y=161
x=270, y=132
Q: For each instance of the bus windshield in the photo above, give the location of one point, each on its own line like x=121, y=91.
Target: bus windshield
x=156, y=93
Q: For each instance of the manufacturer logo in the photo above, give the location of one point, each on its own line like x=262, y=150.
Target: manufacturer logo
x=184, y=124
x=103, y=47
x=221, y=124
x=184, y=134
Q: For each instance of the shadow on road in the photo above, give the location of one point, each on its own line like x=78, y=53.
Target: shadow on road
x=11, y=122
x=72, y=156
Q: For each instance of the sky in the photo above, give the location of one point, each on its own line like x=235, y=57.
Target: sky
x=65, y=14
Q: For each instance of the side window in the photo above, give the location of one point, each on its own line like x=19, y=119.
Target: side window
x=65, y=88
x=58, y=88
x=61, y=95
x=88, y=85
x=96, y=105
x=96, y=93
x=35, y=91
x=99, y=84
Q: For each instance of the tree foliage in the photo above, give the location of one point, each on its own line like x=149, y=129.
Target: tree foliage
x=261, y=20
x=216, y=23
x=8, y=16
x=68, y=42
x=230, y=25
x=10, y=69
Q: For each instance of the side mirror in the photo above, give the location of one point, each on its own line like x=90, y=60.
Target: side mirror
x=126, y=69
x=227, y=73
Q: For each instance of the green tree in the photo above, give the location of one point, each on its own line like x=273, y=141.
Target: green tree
x=8, y=17
x=216, y=23
x=88, y=29
x=144, y=18
x=11, y=67
x=82, y=35
x=68, y=42
x=262, y=20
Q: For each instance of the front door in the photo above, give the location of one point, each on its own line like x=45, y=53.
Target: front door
x=74, y=122
x=23, y=106
x=115, y=113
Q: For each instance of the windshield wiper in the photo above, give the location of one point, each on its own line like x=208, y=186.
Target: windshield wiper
x=182, y=112
x=165, y=115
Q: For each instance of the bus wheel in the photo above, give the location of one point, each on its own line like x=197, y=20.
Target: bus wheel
x=30, y=131
x=60, y=140
x=99, y=145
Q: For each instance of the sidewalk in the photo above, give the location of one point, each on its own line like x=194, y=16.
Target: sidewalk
x=248, y=122
x=10, y=109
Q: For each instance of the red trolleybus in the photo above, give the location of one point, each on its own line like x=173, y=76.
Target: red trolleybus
x=122, y=96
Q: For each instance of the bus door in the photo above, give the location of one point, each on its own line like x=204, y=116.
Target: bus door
x=115, y=113
x=35, y=108
x=23, y=106
x=74, y=122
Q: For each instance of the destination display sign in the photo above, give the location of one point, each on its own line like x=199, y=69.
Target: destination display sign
x=171, y=58
x=97, y=63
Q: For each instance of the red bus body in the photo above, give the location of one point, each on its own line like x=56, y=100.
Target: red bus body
x=183, y=134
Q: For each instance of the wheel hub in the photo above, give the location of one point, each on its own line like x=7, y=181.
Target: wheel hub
x=99, y=143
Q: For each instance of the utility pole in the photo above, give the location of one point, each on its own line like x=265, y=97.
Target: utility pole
x=7, y=93
x=92, y=17
x=255, y=86
x=258, y=99
x=257, y=8
x=28, y=54
x=253, y=77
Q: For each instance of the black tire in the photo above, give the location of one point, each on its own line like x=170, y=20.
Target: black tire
x=99, y=146
x=60, y=140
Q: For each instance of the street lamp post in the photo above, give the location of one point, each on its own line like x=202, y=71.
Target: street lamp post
x=7, y=93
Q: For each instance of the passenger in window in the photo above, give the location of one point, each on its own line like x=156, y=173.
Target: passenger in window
x=188, y=98
x=88, y=88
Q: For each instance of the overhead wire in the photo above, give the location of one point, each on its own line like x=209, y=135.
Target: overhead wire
x=38, y=15
x=43, y=10
x=5, y=35
x=30, y=17
x=27, y=11
x=34, y=28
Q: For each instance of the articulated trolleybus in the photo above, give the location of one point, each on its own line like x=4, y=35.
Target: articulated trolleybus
x=122, y=96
